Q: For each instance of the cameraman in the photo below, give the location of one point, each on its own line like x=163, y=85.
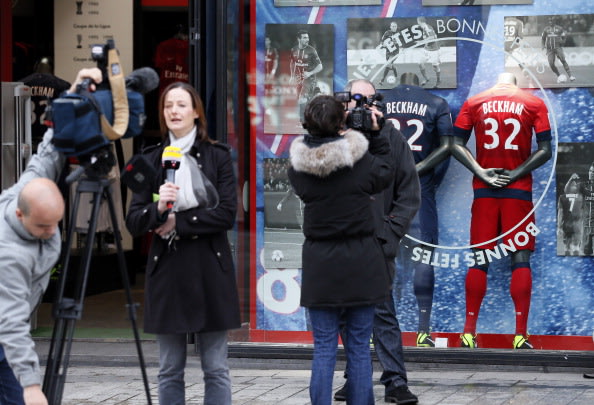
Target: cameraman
x=30, y=244
x=335, y=172
x=394, y=210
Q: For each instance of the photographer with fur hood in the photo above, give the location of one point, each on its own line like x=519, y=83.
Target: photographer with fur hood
x=336, y=172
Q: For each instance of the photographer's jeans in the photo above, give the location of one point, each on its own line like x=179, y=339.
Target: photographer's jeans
x=213, y=358
x=11, y=392
x=325, y=325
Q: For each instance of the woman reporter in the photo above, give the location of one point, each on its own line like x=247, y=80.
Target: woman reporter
x=190, y=276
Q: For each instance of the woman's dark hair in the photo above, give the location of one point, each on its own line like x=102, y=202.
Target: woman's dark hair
x=201, y=126
x=324, y=116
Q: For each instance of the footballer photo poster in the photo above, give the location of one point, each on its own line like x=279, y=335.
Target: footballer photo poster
x=382, y=49
x=575, y=198
x=550, y=51
x=278, y=285
x=291, y=53
x=283, y=217
x=474, y=2
x=325, y=3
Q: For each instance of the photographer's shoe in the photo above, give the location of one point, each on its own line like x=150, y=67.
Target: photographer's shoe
x=400, y=395
x=468, y=341
x=521, y=342
x=424, y=340
x=341, y=394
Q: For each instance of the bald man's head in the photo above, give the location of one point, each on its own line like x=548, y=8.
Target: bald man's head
x=40, y=207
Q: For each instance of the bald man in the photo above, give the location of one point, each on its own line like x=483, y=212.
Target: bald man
x=40, y=207
x=30, y=244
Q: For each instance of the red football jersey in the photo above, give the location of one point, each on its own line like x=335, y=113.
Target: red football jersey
x=504, y=119
x=172, y=61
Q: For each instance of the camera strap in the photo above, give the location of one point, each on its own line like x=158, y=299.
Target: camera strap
x=117, y=83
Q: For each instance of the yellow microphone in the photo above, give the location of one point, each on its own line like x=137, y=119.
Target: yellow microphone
x=170, y=161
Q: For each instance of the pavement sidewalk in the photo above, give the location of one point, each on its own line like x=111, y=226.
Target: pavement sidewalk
x=108, y=373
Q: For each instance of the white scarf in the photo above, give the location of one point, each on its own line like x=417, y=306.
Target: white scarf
x=183, y=178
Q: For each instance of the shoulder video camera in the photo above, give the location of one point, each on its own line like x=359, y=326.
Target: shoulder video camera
x=359, y=116
x=85, y=122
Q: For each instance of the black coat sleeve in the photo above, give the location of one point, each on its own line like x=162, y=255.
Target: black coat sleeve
x=382, y=165
x=406, y=196
x=143, y=215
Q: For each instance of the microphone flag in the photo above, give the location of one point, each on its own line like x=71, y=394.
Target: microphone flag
x=170, y=161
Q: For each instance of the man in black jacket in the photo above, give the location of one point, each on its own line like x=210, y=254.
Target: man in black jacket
x=397, y=205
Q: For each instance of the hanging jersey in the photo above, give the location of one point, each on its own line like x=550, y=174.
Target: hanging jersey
x=44, y=88
x=171, y=60
x=504, y=119
x=420, y=115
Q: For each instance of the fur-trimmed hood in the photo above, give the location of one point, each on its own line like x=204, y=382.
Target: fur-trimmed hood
x=321, y=160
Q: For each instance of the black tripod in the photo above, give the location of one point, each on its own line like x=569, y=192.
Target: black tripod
x=68, y=310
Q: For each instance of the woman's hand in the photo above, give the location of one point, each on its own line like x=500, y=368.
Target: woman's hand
x=168, y=227
x=167, y=196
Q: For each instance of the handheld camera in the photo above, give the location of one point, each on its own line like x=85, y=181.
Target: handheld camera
x=359, y=117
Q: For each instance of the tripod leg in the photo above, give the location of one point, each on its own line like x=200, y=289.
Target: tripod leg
x=57, y=345
x=68, y=310
x=126, y=282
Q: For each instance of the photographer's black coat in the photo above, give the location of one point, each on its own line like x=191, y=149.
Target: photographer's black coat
x=343, y=262
x=402, y=199
x=190, y=285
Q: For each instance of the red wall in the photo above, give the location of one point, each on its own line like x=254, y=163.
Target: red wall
x=165, y=3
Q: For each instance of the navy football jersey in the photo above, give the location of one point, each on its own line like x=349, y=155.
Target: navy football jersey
x=420, y=115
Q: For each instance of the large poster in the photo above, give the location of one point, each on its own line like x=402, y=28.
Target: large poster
x=550, y=50
x=382, y=49
x=299, y=64
x=562, y=274
x=575, y=199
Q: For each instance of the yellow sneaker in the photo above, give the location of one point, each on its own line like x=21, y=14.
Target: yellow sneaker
x=468, y=341
x=424, y=340
x=521, y=342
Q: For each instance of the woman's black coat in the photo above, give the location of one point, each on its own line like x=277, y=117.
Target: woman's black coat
x=343, y=262
x=190, y=284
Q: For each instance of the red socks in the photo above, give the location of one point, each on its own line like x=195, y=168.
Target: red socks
x=476, y=287
x=520, y=290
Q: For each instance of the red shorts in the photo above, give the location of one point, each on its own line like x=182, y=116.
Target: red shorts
x=492, y=217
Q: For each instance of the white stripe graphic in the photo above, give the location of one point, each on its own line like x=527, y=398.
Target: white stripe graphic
x=313, y=15
x=276, y=143
x=391, y=8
